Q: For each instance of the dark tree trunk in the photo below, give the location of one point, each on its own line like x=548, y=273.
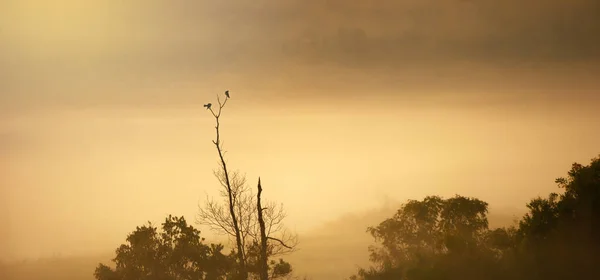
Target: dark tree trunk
x=263, y=266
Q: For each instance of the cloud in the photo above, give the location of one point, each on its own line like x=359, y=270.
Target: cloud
x=114, y=52
x=398, y=33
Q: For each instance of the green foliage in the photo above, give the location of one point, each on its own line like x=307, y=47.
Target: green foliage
x=562, y=232
x=178, y=252
x=434, y=239
x=559, y=237
x=277, y=269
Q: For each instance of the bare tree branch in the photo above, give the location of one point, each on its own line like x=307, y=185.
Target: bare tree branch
x=280, y=242
x=238, y=215
x=231, y=200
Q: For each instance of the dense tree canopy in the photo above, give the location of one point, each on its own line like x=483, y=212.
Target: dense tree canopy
x=561, y=233
x=178, y=252
x=558, y=238
x=435, y=239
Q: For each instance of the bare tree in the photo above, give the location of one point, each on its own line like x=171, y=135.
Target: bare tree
x=242, y=216
x=231, y=195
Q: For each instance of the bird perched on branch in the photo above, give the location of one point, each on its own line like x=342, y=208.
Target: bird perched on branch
x=207, y=106
x=227, y=93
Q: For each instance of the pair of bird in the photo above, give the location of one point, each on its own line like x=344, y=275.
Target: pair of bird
x=209, y=104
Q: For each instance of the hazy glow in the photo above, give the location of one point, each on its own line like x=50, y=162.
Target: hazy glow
x=337, y=109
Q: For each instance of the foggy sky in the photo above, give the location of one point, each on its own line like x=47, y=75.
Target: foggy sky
x=114, y=52
x=102, y=129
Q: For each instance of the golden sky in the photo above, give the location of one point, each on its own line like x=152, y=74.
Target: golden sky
x=335, y=104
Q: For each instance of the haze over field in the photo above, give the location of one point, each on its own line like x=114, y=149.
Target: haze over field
x=339, y=106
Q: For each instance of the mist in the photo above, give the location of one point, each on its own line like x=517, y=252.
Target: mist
x=343, y=108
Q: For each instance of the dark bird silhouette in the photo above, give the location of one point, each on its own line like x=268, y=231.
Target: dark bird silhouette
x=207, y=106
x=227, y=93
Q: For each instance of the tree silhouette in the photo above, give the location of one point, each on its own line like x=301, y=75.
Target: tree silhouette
x=560, y=235
x=435, y=238
x=558, y=238
x=231, y=195
x=178, y=252
x=256, y=227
